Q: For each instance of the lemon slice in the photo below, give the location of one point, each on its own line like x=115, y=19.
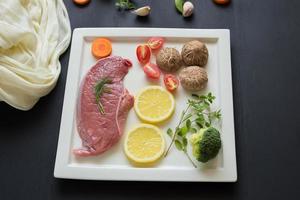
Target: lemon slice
x=144, y=144
x=154, y=104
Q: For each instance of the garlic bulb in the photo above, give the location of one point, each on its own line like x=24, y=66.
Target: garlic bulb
x=188, y=9
x=143, y=11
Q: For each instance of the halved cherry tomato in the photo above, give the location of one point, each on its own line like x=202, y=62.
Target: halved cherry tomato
x=171, y=82
x=143, y=53
x=151, y=70
x=156, y=42
x=222, y=2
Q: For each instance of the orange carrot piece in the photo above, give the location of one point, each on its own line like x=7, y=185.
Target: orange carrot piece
x=101, y=48
x=81, y=2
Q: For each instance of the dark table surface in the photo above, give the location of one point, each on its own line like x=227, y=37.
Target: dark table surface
x=265, y=45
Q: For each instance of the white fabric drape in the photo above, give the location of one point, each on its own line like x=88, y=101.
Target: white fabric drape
x=33, y=34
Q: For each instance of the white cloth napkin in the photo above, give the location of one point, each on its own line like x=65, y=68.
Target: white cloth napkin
x=33, y=34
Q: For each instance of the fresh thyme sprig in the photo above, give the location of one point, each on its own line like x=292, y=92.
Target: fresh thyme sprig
x=125, y=4
x=197, y=115
x=100, y=88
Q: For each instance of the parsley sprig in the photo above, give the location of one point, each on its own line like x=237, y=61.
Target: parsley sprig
x=100, y=88
x=198, y=114
x=125, y=4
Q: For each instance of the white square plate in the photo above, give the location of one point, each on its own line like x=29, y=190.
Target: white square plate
x=113, y=165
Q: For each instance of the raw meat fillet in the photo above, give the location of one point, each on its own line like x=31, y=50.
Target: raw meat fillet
x=99, y=131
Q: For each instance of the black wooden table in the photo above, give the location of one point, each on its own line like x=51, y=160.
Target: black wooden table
x=265, y=45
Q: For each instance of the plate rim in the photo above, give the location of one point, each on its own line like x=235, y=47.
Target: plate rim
x=65, y=170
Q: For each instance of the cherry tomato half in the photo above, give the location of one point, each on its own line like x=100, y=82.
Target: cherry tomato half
x=152, y=71
x=143, y=53
x=156, y=42
x=222, y=2
x=171, y=82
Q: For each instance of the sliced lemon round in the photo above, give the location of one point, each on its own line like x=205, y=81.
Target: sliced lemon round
x=154, y=104
x=144, y=144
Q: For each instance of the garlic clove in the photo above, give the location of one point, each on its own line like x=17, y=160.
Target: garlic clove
x=143, y=11
x=188, y=9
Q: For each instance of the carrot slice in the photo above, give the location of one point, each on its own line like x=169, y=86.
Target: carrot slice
x=101, y=48
x=81, y=2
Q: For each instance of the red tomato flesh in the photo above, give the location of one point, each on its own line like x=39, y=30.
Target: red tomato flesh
x=143, y=53
x=152, y=71
x=156, y=42
x=222, y=2
x=171, y=82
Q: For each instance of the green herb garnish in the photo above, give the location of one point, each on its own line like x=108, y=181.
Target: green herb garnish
x=100, y=88
x=197, y=115
x=125, y=4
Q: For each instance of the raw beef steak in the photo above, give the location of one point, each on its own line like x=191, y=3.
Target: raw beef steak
x=101, y=130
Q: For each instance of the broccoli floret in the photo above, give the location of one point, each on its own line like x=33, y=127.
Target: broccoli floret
x=206, y=144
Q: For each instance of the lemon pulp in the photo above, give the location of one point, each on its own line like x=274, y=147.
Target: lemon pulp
x=154, y=104
x=144, y=144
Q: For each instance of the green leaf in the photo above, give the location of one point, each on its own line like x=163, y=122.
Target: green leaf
x=188, y=124
x=199, y=124
x=212, y=116
x=125, y=4
x=178, y=145
x=187, y=116
x=193, y=130
x=170, y=132
x=207, y=124
x=184, y=142
x=200, y=119
x=199, y=106
x=203, y=97
x=218, y=114
x=200, y=115
x=179, y=133
x=131, y=6
x=190, y=101
x=196, y=96
x=183, y=131
x=210, y=97
x=179, y=5
x=206, y=103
